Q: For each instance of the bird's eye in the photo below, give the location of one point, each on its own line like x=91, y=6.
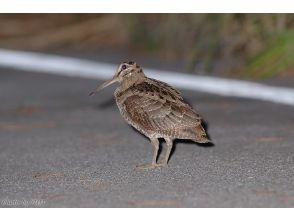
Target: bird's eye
x=123, y=67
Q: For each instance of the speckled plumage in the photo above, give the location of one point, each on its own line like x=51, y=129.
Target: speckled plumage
x=155, y=109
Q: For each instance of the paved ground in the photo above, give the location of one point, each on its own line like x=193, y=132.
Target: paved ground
x=61, y=148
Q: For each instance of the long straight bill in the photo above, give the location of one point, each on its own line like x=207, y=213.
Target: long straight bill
x=104, y=85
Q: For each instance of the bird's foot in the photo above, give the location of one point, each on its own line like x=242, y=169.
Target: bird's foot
x=150, y=166
x=163, y=164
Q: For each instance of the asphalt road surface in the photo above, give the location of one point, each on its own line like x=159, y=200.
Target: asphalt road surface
x=61, y=148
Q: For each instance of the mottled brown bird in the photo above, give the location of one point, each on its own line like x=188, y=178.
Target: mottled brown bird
x=155, y=109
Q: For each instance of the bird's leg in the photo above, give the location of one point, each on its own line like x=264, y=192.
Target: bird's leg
x=169, y=143
x=155, y=144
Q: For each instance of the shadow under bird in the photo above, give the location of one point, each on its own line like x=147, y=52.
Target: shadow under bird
x=155, y=109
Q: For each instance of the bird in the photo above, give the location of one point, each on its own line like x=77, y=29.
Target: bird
x=155, y=109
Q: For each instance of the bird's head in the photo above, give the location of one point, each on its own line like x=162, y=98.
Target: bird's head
x=127, y=74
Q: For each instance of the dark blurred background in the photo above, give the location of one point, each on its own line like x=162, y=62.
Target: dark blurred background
x=234, y=45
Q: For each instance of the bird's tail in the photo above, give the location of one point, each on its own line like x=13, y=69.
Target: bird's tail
x=201, y=136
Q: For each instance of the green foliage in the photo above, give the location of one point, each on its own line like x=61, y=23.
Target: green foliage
x=242, y=45
x=255, y=45
x=277, y=57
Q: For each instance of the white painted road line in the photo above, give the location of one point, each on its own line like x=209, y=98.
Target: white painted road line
x=67, y=66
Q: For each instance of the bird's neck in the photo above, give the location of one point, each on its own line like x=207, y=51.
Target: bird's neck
x=130, y=81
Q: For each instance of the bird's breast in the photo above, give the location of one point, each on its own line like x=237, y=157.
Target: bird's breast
x=120, y=97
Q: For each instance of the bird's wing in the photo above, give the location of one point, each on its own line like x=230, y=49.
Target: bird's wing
x=159, y=108
x=166, y=88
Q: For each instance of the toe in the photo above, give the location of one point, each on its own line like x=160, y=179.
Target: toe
x=146, y=166
x=161, y=165
x=151, y=166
